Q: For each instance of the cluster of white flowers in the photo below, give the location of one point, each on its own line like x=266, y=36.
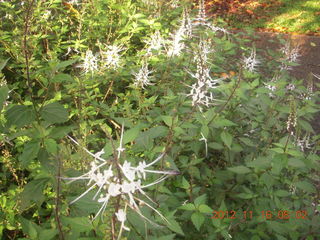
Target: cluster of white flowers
x=125, y=183
x=201, y=90
x=109, y=59
x=291, y=55
x=186, y=29
x=303, y=143
x=142, y=77
x=251, y=62
x=90, y=62
x=155, y=42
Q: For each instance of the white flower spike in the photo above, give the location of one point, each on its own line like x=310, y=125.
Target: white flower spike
x=110, y=183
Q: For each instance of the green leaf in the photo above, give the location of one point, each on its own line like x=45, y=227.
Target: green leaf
x=295, y=162
x=51, y=145
x=248, y=142
x=64, y=64
x=62, y=77
x=167, y=237
x=60, y=132
x=200, y=200
x=203, y=208
x=54, y=113
x=3, y=63
x=188, y=207
x=29, y=228
x=33, y=191
x=226, y=138
x=48, y=234
x=174, y=226
x=260, y=163
x=282, y=193
x=4, y=91
x=78, y=224
x=168, y=120
x=20, y=115
x=305, y=125
x=131, y=135
x=240, y=169
x=222, y=122
x=197, y=220
x=245, y=195
x=306, y=186
x=29, y=153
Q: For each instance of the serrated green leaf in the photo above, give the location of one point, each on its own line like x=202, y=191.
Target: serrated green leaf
x=51, y=145
x=29, y=153
x=306, y=186
x=239, y=169
x=48, y=234
x=188, y=207
x=200, y=200
x=168, y=120
x=29, y=228
x=78, y=224
x=245, y=195
x=226, y=138
x=131, y=135
x=20, y=115
x=295, y=162
x=282, y=193
x=197, y=220
x=62, y=77
x=54, y=113
x=60, y=132
x=174, y=226
x=203, y=208
x=3, y=63
x=33, y=191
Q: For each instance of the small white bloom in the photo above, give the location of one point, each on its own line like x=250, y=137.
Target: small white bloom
x=90, y=62
x=155, y=42
x=111, y=57
x=142, y=77
x=291, y=55
x=251, y=62
x=127, y=170
x=114, y=189
x=290, y=87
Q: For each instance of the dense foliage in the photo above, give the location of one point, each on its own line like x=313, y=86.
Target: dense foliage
x=124, y=82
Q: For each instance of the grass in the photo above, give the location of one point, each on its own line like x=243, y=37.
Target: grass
x=293, y=16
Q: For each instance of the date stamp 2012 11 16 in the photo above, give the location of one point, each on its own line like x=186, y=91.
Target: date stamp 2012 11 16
x=269, y=215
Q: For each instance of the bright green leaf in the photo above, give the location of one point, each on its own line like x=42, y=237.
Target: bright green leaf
x=54, y=113
x=197, y=220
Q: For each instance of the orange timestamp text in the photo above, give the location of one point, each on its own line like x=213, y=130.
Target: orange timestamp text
x=269, y=215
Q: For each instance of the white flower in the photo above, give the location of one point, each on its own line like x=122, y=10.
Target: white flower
x=123, y=184
x=290, y=87
x=155, y=42
x=251, y=62
x=291, y=55
x=128, y=172
x=142, y=77
x=90, y=62
x=114, y=189
x=121, y=215
x=111, y=57
x=177, y=45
